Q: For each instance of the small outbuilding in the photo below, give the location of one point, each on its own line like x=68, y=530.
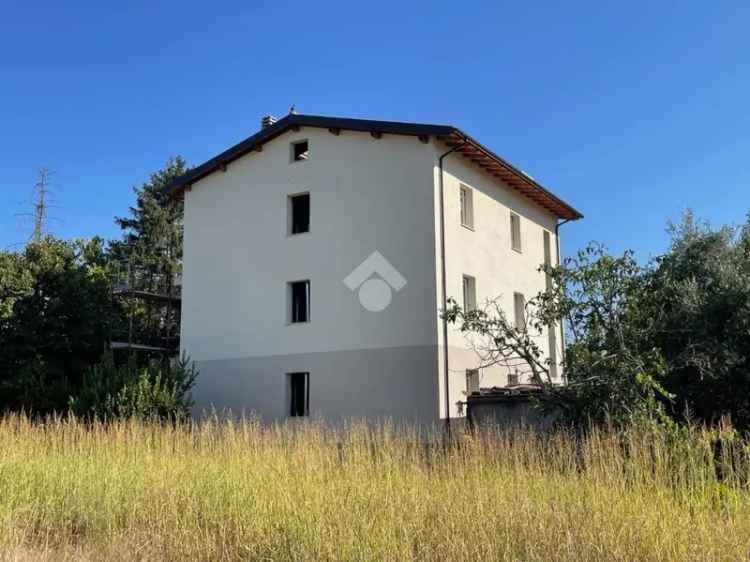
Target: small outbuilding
x=507, y=406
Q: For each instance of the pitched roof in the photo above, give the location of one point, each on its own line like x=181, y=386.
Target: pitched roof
x=451, y=136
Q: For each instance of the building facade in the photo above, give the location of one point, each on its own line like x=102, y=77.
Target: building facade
x=312, y=274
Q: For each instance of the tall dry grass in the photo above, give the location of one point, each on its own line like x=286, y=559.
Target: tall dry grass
x=222, y=491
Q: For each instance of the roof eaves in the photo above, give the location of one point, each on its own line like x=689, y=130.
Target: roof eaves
x=292, y=120
x=442, y=132
x=230, y=154
x=573, y=214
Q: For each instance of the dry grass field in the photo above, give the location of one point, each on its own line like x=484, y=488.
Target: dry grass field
x=218, y=491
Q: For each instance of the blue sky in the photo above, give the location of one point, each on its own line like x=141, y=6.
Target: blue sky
x=631, y=111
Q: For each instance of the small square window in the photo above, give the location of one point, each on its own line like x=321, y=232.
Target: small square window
x=300, y=151
x=515, y=232
x=299, y=213
x=472, y=381
x=513, y=379
x=470, y=293
x=299, y=302
x=299, y=394
x=467, y=207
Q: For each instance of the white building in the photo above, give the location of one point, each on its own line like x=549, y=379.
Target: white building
x=279, y=314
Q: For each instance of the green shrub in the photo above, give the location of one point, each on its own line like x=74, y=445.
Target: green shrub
x=154, y=389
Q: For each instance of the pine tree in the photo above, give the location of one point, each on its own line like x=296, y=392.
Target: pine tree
x=150, y=252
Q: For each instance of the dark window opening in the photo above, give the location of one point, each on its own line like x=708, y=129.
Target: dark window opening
x=472, y=381
x=300, y=301
x=300, y=209
x=300, y=151
x=299, y=394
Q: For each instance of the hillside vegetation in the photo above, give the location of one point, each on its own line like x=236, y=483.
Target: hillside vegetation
x=135, y=490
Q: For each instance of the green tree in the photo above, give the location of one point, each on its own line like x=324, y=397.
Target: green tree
x=55, y=318
x=612, y=370
x=699, y=299
x=149, y=255
x=666, y=341
x=152, y=234
x=57, y=313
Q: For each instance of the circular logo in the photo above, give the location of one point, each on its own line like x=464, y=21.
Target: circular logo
x=375, y=294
